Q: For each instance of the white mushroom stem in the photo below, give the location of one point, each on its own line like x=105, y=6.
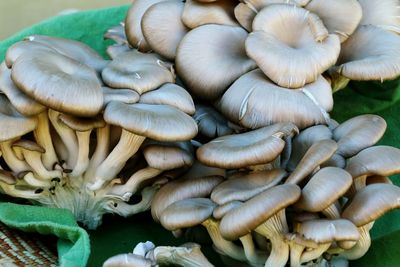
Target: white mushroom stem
x=226, y=247
x=127, y=146
x=361, y=246
x=331, y=212
x=15, y=164
x=312, y=254
x=34, y=159
x=252, y=255
x=67, y=136
x=274, y=229
x=43, y=138
x=101, y=151
x=132, y=185
x=83, y=153
x=30, y=179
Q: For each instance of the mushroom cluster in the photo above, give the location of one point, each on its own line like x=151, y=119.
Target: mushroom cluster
x=70, y=141
x=273, y=196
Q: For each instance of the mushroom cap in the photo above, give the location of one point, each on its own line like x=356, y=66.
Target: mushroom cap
x=376, y=160
x=246, y=186
x=246, y=149
x=222, y=210
x=29, y=145
x=59, y=82
x=117, y=34
x=317, y=154
x=12, y=123
x=208, y=68
x=371, y=202
x=344, y=24
x=257, y=210
x=187, y=213
x=127, y=260
x=198, y=13
x=299, y=47
x=358, y=133
x=133, y=19
x=116, y=49
x=324, y=231
x=24, y=104
x=210, y=122
x=137, y=71
x=158, y=26
x=384, y=14
x=255, y=101
x=25, y=46
x=370, y=53
x=245, y=15
x=153, y=121
x=182, y=189
x=324, y=188
x=122, y=95
x=170, y=94
x=82, y=124
x=163, y=157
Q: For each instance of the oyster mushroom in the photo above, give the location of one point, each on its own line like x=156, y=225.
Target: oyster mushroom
x=384, y=14
x=211, y=123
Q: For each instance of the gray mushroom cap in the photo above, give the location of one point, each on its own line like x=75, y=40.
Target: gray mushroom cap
x=210, y=122
x=25, y=46
x=220, y=211
x=164, y=157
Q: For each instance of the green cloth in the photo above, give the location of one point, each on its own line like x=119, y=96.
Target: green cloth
x=73, y=242
x=118, y=235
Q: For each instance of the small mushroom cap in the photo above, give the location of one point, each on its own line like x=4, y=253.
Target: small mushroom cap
x=197, y=13
x=24, y=104
x=59, y=82
x=133, y=19
x=29, y=145
x=246, y=149
x=122, y=95
x=187, y=213
x=257, y=210
x=317, y=154
x=210, y=122
x=222, y=61
x=7, y=177
x=300, y=48
x=222, y=210
x=244, y=187
x=324, y=231
x=164, y=157
x=170, y=94
x=376, y=160
x=82, y=124
x=344, y=25
x=127, y=260
x=359, y=133
x=370, y=53
x=324, y=188
x=182, y=189
x=153, y=121
x=371, y=202
x=245, y=15
x=158, y=26
x=137, y=71
x=255, y=101
x=117, y=34
x=384, y=14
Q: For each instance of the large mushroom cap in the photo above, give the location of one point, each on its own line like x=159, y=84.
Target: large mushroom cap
x=257, y=210
x=255, y=101
x=247, y=149
x=211, y=57
x=299, y=47
x=153, y=121
x=384, y=14
x=59, y=82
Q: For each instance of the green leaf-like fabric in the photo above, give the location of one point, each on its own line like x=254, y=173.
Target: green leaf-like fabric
x=119, y=235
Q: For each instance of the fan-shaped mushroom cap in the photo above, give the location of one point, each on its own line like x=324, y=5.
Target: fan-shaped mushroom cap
x=82, y=124
x=162, y=27
x=254, y=101
x=376, y=160
x=370, y=53
x=222, y=210
x=344, y=24
x=24, y=104
x=317, y=154
x=114, y=50
x=299, y=46
x=245, y=15
x=257, y=210
x=371, y=202
x=197, y=13
x=12, y=123
x=152, y=121
x=59, y=82
x=244, y=187
x=72, y=49
x=164, y=157
x=26, y=46
x=358, y=133
x=208, y=68
x=127, y=260
x=170, y=94
x=211, y=123
x=187, y=213
x=122, y=95
x=182, y=189
x=324, y=188
x=384, y=14
x=138, y=71
x=133, y=19
x=246, y=149
x=324, y=231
